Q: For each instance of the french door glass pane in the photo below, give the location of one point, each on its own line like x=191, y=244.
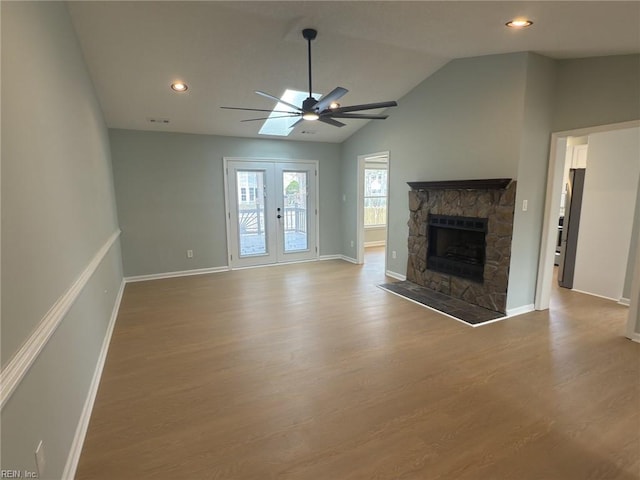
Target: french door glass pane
x=251, y=227
x=295, y=211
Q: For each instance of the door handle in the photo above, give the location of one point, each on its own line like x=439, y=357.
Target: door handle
x=279, y=216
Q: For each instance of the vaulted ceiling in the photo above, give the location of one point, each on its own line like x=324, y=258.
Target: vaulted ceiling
x=225, y=51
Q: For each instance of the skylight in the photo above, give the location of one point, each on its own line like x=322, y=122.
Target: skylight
x=282, y=126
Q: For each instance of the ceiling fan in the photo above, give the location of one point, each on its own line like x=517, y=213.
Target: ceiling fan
x=326, y=109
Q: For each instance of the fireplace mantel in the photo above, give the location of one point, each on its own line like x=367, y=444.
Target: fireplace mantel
x=480, y=184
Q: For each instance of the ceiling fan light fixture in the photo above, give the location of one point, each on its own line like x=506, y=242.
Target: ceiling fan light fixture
x=519, y=23
x=179, y=87
x=325, y=110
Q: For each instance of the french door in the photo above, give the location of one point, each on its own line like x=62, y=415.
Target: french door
x=271, y=211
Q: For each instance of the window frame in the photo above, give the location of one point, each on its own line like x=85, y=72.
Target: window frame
x=377, y=166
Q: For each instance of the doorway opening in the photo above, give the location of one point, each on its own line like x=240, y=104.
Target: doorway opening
x=271, y=211
x=606, y=246
x=373, y=188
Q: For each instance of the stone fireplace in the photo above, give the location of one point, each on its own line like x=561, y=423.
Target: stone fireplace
x=460, y=239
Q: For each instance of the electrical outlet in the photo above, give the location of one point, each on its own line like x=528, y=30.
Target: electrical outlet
x=40, y=463
x=525, y=205
x=393, y=254
x=352, y=243
x=189, y=253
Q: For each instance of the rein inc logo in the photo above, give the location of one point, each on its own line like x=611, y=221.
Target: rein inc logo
x=18, y=474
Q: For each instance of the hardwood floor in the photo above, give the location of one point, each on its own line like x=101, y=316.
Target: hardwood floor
x=308, y=371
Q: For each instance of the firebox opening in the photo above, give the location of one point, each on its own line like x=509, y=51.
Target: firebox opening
x=457, y=246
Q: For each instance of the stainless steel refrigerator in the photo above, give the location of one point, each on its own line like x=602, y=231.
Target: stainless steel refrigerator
x=570, y=227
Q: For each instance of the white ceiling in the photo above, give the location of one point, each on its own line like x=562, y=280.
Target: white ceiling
x=379, y=51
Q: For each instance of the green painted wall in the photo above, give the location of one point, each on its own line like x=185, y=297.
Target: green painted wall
x=533, y=161
x=58, y=210
x=170, y=195
x=597, y=91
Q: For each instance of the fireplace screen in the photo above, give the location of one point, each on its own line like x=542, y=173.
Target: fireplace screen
x=457, y=246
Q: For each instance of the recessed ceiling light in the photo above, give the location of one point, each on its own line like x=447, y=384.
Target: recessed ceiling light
x=179, y=87
x=519, y=23
x=334, y=105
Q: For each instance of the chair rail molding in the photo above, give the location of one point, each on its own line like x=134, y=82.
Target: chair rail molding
x=18, y=366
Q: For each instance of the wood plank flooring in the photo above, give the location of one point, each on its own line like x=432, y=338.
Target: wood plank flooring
x=309, y=371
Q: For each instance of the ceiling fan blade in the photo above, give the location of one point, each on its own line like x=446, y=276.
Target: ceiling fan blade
x=332, y=96
x=331, y=121
x=300, y=120
x=258, y=110
x=269, y=118
x=358, y=115
x=366, y=106
x=278, y=100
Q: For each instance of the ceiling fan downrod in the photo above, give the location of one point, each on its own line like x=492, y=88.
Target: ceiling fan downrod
x=309, y=34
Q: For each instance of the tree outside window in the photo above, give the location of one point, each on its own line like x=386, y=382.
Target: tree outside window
x=375, y=197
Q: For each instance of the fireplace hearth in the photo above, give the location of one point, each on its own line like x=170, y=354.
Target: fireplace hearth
x=460, y=239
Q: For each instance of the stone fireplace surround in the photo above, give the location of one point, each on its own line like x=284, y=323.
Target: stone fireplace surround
x=493, y=199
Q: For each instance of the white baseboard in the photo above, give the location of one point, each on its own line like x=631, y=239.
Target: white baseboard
x=183, y=273
x=269, y=265
x=204, y=271
x=83, y=424
x=595, y=295
x=19, y=365
x=349, y=259
x=635, y=337
x=625, y=301
x=376, y=243
x=512, y=312
x=329, y=257
x=397, y=276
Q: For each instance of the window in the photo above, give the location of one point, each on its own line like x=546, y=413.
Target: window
x=375, y=197
x=243, y=194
